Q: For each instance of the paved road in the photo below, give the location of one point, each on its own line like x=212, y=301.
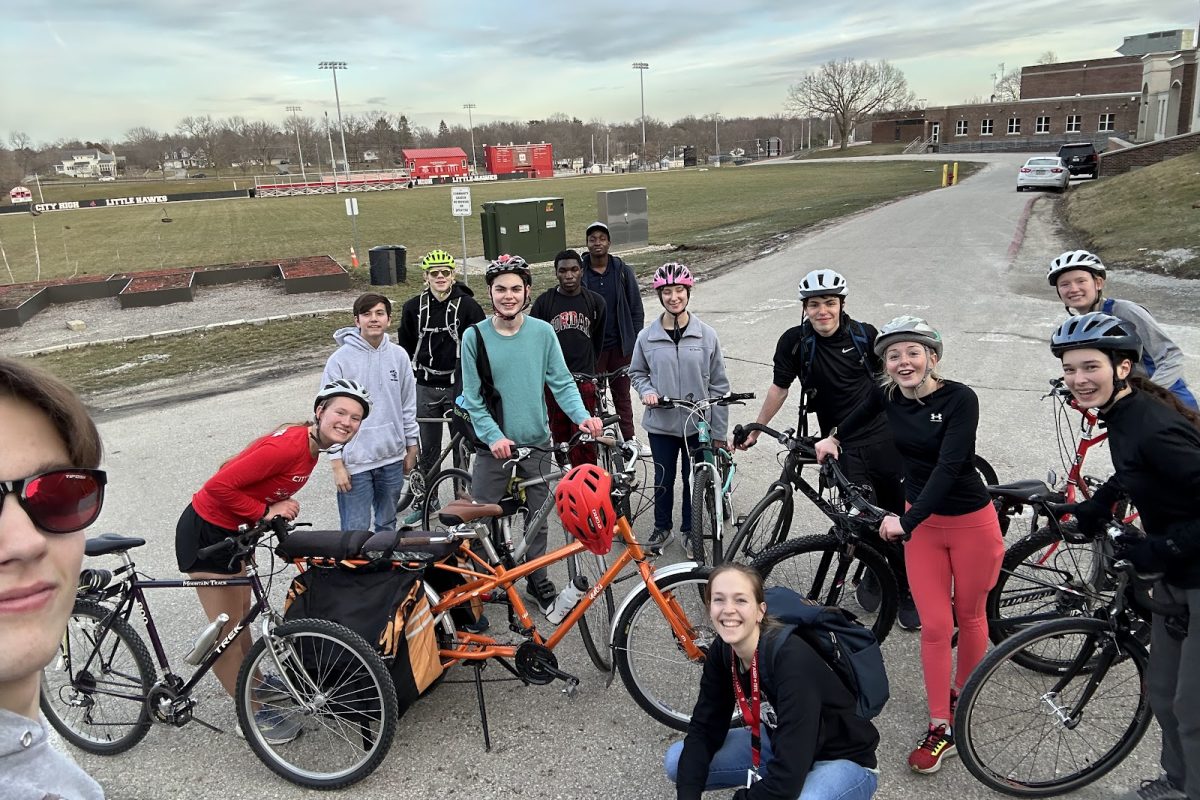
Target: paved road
x=944, y=255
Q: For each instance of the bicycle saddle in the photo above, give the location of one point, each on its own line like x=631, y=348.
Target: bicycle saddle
x=460, y=511
x=1021, y=491
x=107, y=543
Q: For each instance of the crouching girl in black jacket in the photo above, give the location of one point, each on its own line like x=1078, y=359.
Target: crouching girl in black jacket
x=803, y=738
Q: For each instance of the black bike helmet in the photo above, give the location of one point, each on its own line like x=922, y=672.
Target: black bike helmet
x=506, y=264
x=1097, y=331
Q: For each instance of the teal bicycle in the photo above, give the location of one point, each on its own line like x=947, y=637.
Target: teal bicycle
x=713, y=472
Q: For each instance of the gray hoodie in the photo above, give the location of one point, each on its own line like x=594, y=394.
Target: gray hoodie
x=695, y=366
x=387, y=374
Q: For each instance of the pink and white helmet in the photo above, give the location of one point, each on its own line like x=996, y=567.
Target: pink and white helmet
x=673, y=274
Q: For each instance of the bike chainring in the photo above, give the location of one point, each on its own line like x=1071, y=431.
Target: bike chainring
x=166, y=705
x=536, y=663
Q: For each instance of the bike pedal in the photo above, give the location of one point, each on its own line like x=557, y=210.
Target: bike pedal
x=572, y=686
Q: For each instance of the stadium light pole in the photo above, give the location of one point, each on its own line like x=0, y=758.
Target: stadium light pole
x=471, y=125
x=334, y=66
x=717, y=135
x=641, y=67
x=299, y=149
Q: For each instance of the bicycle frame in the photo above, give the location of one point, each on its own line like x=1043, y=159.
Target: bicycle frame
x=484, y=578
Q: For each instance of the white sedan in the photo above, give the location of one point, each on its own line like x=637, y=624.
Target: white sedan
x=1047, y=172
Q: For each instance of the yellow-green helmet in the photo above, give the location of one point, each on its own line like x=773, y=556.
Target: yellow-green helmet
x=438, y=258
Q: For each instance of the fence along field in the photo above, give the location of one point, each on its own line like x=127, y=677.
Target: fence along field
x=718, y=209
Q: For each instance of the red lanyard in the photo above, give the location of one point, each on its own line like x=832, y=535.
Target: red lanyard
x=750, y=711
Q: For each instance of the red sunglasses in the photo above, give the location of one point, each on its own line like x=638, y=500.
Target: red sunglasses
x=61, y=500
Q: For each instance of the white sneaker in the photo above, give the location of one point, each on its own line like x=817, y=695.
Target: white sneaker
x=644, y=451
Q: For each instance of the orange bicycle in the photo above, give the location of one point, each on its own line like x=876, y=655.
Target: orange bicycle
x=662, y=630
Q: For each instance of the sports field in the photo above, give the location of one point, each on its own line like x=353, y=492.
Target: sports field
x=708, y=210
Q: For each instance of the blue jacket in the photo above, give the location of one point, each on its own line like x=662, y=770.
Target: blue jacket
x=630, y=315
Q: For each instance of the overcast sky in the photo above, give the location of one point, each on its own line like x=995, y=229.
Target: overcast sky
x=92, y=69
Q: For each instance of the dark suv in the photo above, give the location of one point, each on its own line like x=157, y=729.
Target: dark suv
x=1081, y=157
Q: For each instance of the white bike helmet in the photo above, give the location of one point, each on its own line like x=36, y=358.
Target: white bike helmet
x=908, y=329
x=344, y=387
x=1075, y=259
x=822, y=283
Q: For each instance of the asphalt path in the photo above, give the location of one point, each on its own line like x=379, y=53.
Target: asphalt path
x=969, y=258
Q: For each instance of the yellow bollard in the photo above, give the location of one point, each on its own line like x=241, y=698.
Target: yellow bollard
x=945, y=173
x=955, y=181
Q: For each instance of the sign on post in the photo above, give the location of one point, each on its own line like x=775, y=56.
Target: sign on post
x=460, y=201
x=351, y=206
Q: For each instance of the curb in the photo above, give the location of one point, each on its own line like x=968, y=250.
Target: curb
x=1014, y=246
x=59, y=348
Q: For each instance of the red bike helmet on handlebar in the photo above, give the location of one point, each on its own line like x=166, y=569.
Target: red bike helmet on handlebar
x=584, y=502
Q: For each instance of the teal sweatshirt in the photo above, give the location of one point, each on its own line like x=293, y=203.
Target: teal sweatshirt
x=522, y=365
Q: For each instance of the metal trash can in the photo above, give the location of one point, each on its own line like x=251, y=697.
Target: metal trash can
x=388, y=264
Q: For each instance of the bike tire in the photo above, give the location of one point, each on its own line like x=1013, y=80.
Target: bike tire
x=414, y=487
x=1031, y=589
x=985, y=471
x=344, y=702
x=447, y=485
x=1006, y=714
x=765, y=526
x=706, y=548
x=595, y=625
x=656, y=671
x=99, y=708
x=820, y=566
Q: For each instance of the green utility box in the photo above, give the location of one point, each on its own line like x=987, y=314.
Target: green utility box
x=533, y=228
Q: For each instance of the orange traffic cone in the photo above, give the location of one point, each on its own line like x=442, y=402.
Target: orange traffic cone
x=353, y=258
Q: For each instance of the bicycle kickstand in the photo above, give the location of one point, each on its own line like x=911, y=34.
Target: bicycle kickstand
x=487, y=736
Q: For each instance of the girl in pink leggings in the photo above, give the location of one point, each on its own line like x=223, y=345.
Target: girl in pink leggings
x=955, y=546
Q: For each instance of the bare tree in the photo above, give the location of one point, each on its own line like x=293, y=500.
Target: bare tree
x=1008, y=88
x=1048, y=57
x=849, y=91
x=262, y=139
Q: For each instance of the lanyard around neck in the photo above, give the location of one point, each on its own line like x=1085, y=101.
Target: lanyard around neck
x=750, y=710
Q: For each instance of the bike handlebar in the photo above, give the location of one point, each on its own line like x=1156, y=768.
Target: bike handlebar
x=804, y=445
x=248, y=536
x=733, y=398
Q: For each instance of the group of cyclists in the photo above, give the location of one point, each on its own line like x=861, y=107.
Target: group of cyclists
x=884, y=409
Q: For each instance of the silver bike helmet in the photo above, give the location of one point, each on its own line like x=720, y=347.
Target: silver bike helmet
x=908, y=329
x=344, y=387
x=1097, y=331
x=1075, y=259
x=822, y=283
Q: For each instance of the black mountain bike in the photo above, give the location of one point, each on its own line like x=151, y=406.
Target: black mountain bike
x=319, y=681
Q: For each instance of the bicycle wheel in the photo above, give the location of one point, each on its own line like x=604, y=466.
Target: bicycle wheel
x=447, y=485
x=765, y=526
x=705, y=547
x=985, y=471
x=414, y=488
x=596, y=622
x=1031, y=734
x=94, y=691
x=343, y=703
x=1044, y=578
x=654, y=667
x=819, y=567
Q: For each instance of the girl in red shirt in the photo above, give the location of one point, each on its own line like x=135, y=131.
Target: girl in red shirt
x=258, y=483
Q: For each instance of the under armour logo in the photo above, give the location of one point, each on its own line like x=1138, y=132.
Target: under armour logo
x=935, y=417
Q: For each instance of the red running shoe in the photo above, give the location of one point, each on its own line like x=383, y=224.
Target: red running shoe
x=937, y=745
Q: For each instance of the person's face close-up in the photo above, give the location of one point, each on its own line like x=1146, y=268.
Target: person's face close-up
x=440, y=279
x=732, y=607
x=1079, y=289
x=569, y=274
x=1089, y=375
x=340, y=419
x=675, y=298
x=825, y=313
x=38, y=571
x=907, y=363
x=508, y=293
x=597, y=243
x=373, y=323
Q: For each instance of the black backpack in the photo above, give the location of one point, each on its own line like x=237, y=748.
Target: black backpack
x=806, y=349
x=460, y=419
x=845, y=644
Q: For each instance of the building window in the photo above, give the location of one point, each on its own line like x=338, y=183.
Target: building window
x=1074, y=123
x=1108, y=122
x=1014, y=124
x=960, y=128
x=1041, y=125
x=985, y=127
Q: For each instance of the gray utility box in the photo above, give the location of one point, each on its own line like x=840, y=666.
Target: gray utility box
x=627, y=216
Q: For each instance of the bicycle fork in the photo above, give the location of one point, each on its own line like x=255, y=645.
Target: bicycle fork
x=1070, y=716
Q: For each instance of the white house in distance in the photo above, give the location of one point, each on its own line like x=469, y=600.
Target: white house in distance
x=89, y=164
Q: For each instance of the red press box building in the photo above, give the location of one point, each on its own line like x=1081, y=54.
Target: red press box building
x=436, y=162
x=531, y=160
